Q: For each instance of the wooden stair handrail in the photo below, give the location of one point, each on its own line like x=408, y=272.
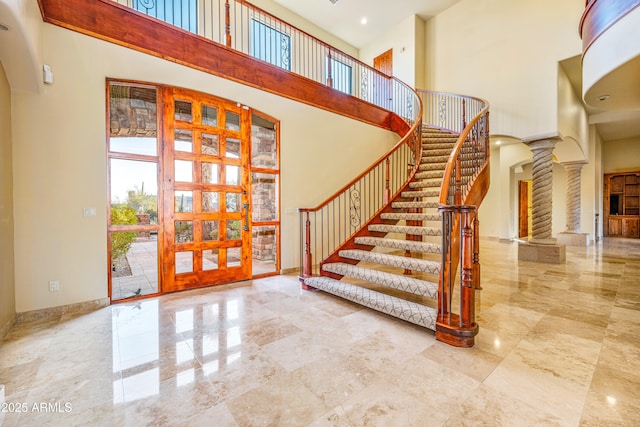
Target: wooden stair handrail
x=407, y=136
x=455, y=153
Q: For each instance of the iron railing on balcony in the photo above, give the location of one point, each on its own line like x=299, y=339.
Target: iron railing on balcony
x=249, y=29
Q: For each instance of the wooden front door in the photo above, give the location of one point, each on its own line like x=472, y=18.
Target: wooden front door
x=207, y=235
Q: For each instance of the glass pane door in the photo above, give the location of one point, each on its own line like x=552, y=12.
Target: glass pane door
x=207, y=236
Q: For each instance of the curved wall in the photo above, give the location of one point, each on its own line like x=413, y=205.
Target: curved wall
x=20, y=45
x=611, y=66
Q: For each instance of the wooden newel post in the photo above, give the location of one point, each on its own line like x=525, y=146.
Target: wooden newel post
x=227, y=22
x=467, y=288
x=476, y=253
x=452, y=328
x=445, y=283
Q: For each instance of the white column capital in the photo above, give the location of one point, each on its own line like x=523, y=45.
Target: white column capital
x=577, y=164
x=545, y=141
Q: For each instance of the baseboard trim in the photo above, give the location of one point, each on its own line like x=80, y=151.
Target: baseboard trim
x=51, y=312
x=4, y=329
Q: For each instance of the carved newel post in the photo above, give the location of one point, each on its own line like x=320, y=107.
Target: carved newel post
x=574, y=236
x=542, y=247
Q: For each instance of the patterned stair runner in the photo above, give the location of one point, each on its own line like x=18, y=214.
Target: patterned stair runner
x=406, y=310
x=415, y=216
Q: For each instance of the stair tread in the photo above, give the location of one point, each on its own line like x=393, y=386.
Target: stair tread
x=411, y=245
x=413, y=230
x=435, y=159
x=406, y=310
x=426, y=183
x=430, y=174
x=408, y=216
x=417, y=205
x=395, y=281
x=416, y=264
x=432, y=166
x=420, y=193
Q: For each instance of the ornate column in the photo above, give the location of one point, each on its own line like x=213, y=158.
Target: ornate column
x=542, y=246
x=573, y=236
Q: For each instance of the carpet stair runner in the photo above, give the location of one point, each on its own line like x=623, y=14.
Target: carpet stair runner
x=376, y=278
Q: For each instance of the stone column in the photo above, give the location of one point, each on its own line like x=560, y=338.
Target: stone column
x=573, y=236
x=542, y=246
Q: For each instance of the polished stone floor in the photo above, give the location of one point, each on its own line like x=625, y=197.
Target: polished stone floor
x=558, y=345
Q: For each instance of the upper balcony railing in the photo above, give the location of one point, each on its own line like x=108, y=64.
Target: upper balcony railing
x=239, y=25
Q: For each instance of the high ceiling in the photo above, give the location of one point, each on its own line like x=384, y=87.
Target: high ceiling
x=342, y=17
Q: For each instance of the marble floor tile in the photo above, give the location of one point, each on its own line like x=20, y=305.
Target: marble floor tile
x=612, y=398
x=491, y=408
x=558, y=345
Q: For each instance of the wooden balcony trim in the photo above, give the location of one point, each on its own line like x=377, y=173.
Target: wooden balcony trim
x=109, y=21
x=600, y=15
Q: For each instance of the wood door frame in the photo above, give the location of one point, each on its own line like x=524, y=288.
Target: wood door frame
x=523, y=208
x=165, y=204
x=197, y=246
x=384, y=62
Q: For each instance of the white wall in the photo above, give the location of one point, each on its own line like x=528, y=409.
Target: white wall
x=21, y=46
x=7, y=295
x=621, y=156
x=60, y=161
x=573, y=122
x=407, y=41
x=507, y=52
x=596, y=162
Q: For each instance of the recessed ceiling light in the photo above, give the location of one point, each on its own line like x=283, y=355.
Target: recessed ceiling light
x=4, y=27
x=498, y=142
x=602, y=98
x=363, y=21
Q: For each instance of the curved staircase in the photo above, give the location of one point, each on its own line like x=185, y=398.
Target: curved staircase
x=395, y=268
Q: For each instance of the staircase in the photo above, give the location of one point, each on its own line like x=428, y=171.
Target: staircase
x=397, y=273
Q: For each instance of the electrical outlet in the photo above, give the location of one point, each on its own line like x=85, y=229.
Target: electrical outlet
x=54, y=286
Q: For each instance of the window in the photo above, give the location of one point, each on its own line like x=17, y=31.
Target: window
x=181, y=13
x=340, y=75
x=270, y=45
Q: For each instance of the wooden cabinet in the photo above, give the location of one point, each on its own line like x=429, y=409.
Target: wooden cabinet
x=622, y=204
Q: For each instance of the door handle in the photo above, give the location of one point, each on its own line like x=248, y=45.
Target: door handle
x=245, y=206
